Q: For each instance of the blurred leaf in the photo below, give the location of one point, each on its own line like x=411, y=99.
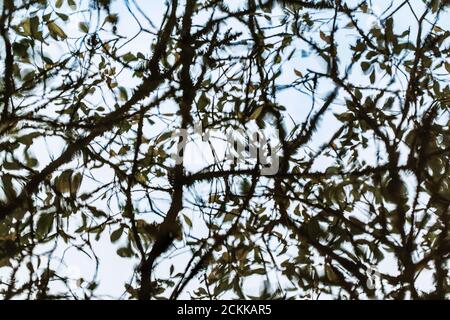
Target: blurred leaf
x=115, y=235
x=298, y=73
x=84, y=27
x=255, y=114
x=124, y=252
x=56, y=31
x=203, y=102
x=44, y=224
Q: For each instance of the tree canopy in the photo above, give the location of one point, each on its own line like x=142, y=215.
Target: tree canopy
x=353, y=97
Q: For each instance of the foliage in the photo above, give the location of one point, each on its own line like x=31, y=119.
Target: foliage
x=360, y=100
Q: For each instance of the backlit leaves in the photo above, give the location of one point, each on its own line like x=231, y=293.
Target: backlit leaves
x=68, y=181
x=55, y=31
x=91, y=124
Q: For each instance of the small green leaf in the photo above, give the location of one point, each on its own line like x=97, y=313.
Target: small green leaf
x=261, y=271
x=277, y=59
x=7, y=186
x=123, y=95
x=11, y=165
x=29, y=75
x=34, y=25
x=112, y=18
x=127, y=57
x=164, y=137
x=372, y=77
x=55, y=30
x=343, y=117
x=115, y=235
x=26, y=26
x=187, y=220
x=313, y=228
x=84, y=27
x=72, y=4
x=63, y=16
x=255, y=114
x=124, y=252
x=203, y=102
x=44, y=224
x=331, y=275
x=298, y=73
x=365, y=66
x=76, y=183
